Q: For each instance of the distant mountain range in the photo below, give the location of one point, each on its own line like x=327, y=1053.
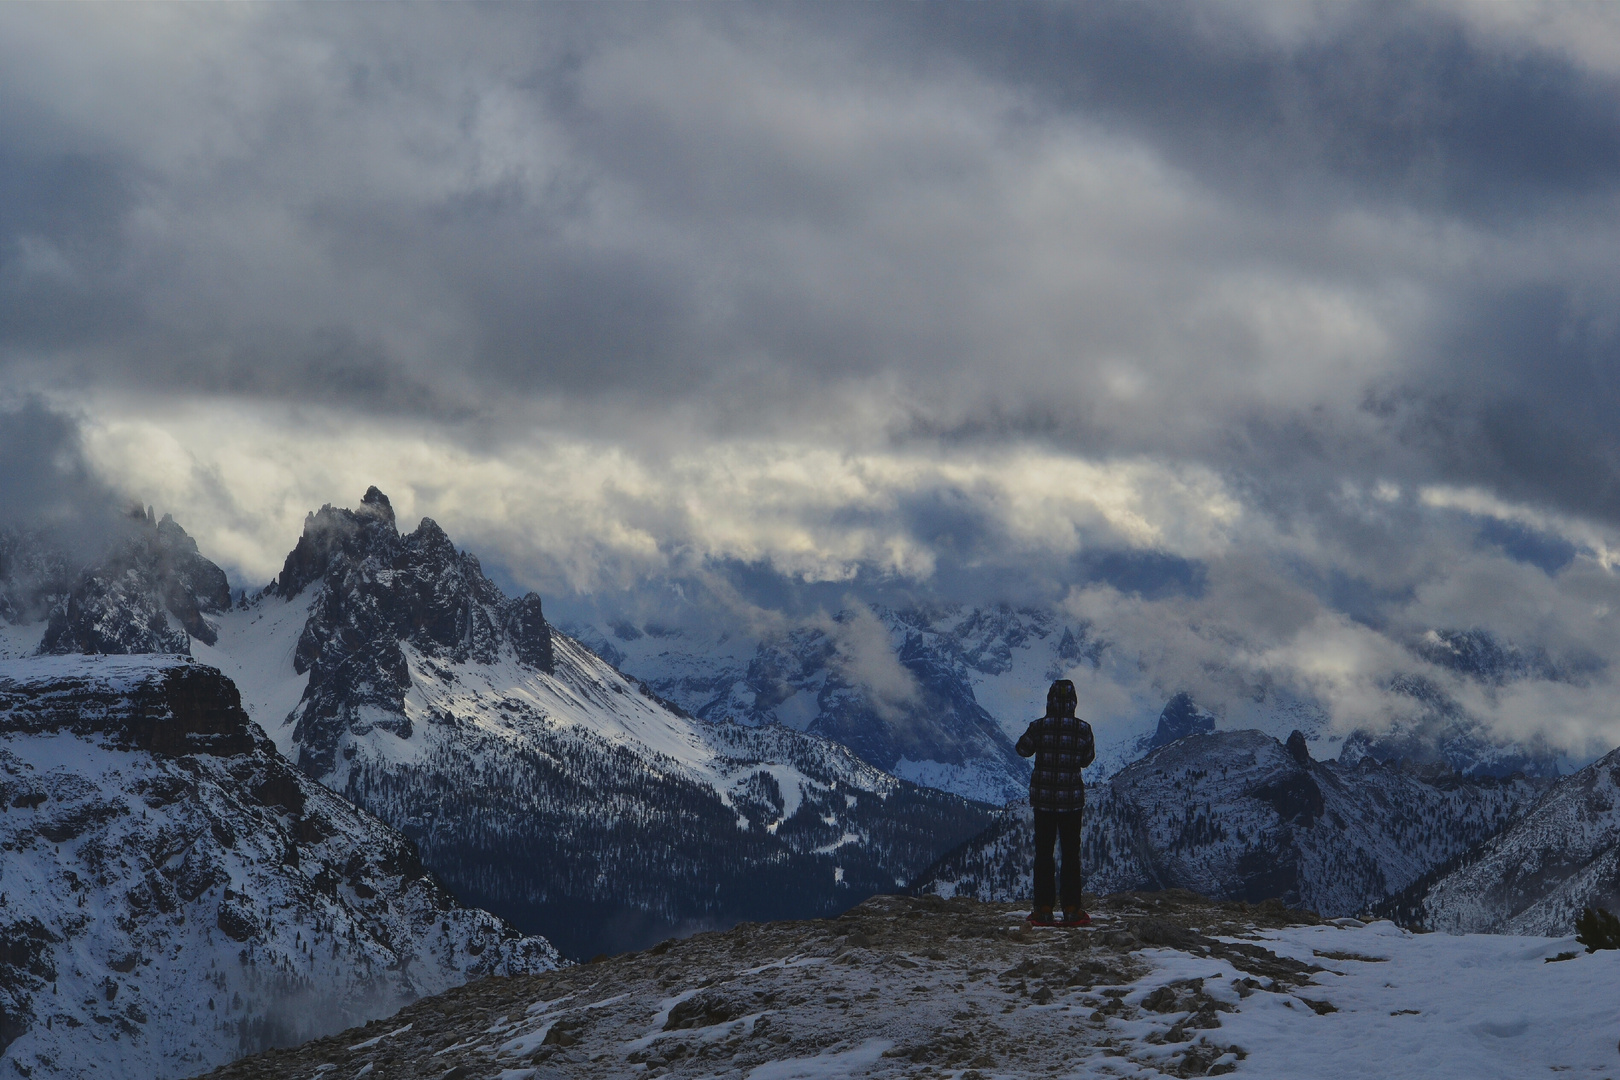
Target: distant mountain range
x=936, y=693
x=1238, y=815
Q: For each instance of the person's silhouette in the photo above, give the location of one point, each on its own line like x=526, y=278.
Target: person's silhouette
x=1062, y=745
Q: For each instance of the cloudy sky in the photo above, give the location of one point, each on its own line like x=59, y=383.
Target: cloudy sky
x=1264, y=336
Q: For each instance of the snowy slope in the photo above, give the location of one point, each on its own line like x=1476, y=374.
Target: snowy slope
x=173, y=894
x=913, y=714
x=1537, y=876
x=539, y=781
x=1238, y=815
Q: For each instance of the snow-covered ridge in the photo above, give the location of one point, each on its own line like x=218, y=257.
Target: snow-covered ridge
x=174, y=894
x=1537, y=876
x=913, y=714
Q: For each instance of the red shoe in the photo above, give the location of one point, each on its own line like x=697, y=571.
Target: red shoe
x=1041, y=916
x=1076, y=918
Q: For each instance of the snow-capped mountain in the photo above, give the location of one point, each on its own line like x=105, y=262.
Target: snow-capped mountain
x=1181, y=717
x=934, y=692
x=902, y=689
x=1534, y=878
x=539, y=781
x=1440, y=732
x=1238, y=815
x=969, y=680
x=173, y=894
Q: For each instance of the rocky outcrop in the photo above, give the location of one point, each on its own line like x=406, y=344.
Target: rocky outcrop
x=173, y=893
x=149, y=594
x=380, y=591
x=169, y=709
x=896, y=987
x=1180, y=718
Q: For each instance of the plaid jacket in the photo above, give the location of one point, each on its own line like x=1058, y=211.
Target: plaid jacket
x=1061, y=746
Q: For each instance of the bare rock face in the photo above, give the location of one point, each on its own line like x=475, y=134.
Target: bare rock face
x=377, y=590
x=173, y=893
x=149, y=594
x=896, y=987
x=1180, y=718
x=168, y=709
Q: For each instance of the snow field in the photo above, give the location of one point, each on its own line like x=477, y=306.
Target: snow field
x=1436, y=1006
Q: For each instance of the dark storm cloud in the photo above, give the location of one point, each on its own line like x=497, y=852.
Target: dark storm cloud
x=47, y=484
x=755, y=217
x=1396, y=101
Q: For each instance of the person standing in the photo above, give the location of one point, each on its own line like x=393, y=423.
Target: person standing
x=1061, y=744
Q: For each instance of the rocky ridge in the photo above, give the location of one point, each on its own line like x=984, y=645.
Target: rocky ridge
x=174, y=894
x=149, y=591
x=895, y=987
x=379, y=592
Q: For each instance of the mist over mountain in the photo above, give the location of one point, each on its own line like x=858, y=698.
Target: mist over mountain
x=1267, y=345
x=788, y=773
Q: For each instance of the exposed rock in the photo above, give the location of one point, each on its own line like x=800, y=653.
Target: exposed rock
x=378, y=591
x=169, y=709
x=148, y=594
x=1181, y=717
x=894, y=987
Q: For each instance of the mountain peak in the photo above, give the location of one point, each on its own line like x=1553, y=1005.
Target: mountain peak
x=152, y=574
x=1181, y=717
x=1297, y=749
x=375, y=504
x=331, y=532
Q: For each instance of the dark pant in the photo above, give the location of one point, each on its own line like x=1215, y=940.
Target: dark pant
x=1052, y=826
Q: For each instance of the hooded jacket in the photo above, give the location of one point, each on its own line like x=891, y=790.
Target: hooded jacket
x=1061, y=747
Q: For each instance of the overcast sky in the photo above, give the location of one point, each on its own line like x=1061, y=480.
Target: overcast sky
x=1311, y=307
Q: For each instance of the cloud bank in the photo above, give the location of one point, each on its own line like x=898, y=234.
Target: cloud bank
x=1278, y=336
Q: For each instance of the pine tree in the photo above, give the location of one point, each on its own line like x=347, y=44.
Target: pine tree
x=1597, y=928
